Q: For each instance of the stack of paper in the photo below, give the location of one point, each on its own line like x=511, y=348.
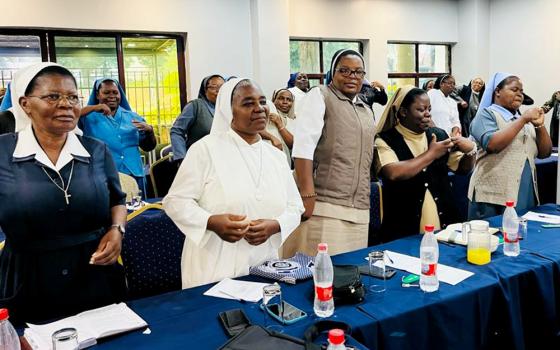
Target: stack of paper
x=237, y=290
x=447, y=274
x=90, y=325
x=548, y=218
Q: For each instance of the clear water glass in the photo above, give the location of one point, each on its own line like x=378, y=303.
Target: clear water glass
x=65, y=339
x=272, y=295
x=522, y=232
x=376, y=260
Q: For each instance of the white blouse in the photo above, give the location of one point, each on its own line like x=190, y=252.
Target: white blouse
x=444, y=111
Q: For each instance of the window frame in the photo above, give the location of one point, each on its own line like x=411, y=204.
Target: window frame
x=48, y=48
x=321, y=75
x=417, y=75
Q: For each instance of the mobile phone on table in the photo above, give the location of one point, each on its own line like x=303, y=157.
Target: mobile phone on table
x=291, y=313
x=377, y=272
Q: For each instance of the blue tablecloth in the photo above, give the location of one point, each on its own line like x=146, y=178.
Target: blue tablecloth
x=510, y=303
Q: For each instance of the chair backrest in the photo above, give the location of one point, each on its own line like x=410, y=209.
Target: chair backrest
x=128, y=186
x=165, y=151
x=162, y=173
x=375, y=213
x=151, y=253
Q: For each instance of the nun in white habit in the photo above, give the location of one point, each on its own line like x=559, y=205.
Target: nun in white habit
x=234, y=196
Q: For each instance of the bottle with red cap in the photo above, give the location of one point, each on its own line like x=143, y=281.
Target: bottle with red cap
x=510, y=228
x=323, y=275
x=9, y=339
x=429, y=254
x=336, y=340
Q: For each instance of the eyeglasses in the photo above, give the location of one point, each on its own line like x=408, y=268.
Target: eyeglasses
x=54, y=99
x=347, y=72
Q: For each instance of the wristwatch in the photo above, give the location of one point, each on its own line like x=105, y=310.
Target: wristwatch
x=120, y=227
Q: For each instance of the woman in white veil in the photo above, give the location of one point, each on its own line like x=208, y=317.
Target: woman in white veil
x=234, y=196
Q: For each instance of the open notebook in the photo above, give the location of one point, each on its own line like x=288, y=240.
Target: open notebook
x=91, y=325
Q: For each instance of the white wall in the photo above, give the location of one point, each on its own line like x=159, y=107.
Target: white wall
x=271, y=44
x=219, y=31
x=376, y=21
x=471, y=53
x=524, y=40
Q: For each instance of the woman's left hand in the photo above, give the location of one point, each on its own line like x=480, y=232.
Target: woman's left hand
x=462, y=144
x=109, y=248
x=260, y=230
x=539, y=121
x=275, y=118
x=141, y=126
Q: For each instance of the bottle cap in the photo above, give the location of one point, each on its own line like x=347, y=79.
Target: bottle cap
x=322, y=247
x=509, y=203
x=429, y=228
x=4, y=314
x=336, y=336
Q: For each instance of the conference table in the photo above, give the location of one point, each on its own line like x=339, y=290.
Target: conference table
x=513, y=303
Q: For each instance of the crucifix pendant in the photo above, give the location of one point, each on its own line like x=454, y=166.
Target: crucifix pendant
x=67, y=197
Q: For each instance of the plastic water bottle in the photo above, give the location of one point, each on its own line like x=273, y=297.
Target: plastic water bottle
x=429, y=254
x=9, y=339
x=510, y=227
x=336, y=340
x=323, y=277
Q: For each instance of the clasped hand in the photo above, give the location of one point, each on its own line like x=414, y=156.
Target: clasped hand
x=232, y=228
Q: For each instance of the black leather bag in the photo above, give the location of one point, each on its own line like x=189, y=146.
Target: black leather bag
x=347, y=285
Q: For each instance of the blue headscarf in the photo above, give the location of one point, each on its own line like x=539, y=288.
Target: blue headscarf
x=493, y=82
x=336, y=58
x=7, y=101
x=93, y=95
x=292, y=81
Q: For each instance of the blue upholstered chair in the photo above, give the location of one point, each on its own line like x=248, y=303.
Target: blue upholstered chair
x=151, y=253
x=375, y=213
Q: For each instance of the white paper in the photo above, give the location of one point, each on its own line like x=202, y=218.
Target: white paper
x=548, y=218
x=447, y=274
x=90, y=325
x=453, y=234
x=237, y=290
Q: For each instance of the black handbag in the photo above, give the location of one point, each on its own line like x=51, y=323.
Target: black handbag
x=347, y=285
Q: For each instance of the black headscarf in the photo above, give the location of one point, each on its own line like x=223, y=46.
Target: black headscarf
x=440, y=79
x=336, y=58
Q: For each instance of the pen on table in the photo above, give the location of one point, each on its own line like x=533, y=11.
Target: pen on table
x=388, y=257
x=233, y=296
x=550, y=225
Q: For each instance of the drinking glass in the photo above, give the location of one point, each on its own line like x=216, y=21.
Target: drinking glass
x=522, y=232
x=65, y=339
x=272, y=295
x=376, y=260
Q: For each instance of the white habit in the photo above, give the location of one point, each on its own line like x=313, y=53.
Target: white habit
x=219, y=175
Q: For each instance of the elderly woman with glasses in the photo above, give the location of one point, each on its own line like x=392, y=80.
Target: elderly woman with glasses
x=333, y=151
x=445, y=113
x=62, y=207
x=109, y=118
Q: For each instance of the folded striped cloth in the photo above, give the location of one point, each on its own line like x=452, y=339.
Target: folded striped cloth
x=297, y=268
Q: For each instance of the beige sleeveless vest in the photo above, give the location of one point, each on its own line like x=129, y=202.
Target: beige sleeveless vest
x=497, y=176
x=342, y=159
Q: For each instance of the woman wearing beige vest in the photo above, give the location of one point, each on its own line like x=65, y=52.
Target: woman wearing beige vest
x=510, y=141
x=333, y=151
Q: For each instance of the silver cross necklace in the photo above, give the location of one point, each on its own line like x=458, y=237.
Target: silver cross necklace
x=62, y=188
